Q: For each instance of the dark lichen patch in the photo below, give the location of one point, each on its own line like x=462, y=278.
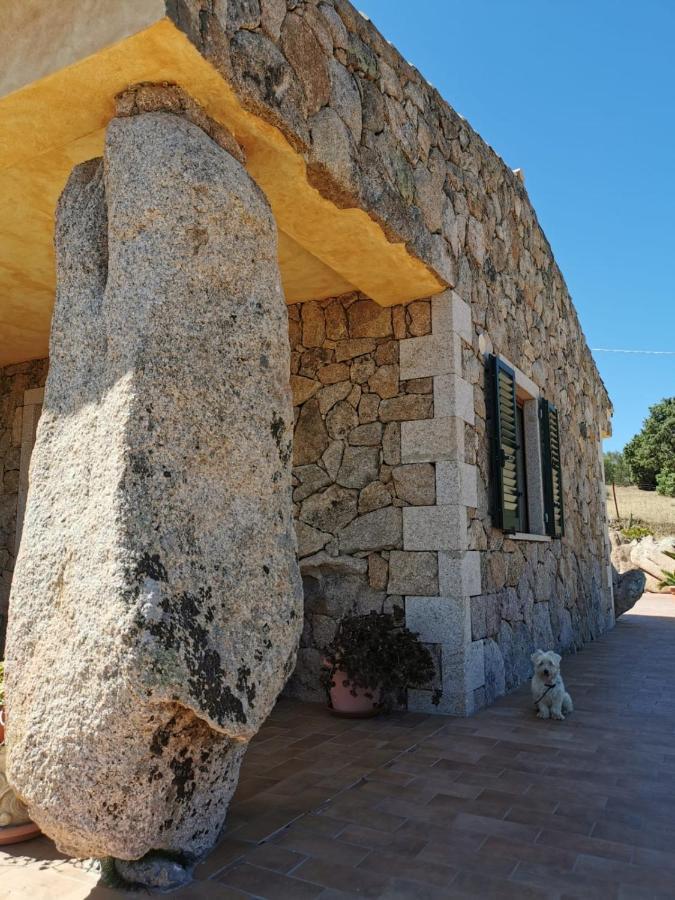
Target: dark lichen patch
x=139, y=465
x=150, y=566
x=183, y=777
x=278, y=429
x=243, y=675
x=161, y=738
x=182, y=630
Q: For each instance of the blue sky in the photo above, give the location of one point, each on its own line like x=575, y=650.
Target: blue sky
x=581, y=95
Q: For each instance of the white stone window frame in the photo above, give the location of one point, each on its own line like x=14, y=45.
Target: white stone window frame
x=528, y=393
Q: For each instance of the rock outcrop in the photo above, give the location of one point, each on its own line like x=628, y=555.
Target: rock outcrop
x=628, y=587
x=647, y=555
x=156, y=605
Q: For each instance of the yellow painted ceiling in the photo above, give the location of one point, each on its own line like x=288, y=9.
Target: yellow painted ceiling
x=52, y=124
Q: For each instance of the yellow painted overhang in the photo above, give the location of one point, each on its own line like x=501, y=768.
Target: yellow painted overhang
x=52, y=124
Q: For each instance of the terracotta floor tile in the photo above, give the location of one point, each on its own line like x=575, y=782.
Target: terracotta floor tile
x=475, y=884
x=425, y=871
x=554, y=881
x=626, y=873
x=489, y=826
x=275, y=857
x=345, y=878
x=265, y=883
x=329, y=849
x=521, y=851
x=500, y=805
x=576, y=825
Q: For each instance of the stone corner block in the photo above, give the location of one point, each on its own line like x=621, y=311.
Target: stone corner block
x=453, y=396
x=456, y=482
x=459, y=576
x=430, y=440
x=451, y=315
x=434, y=528
x=440, y=620
x=475, y=666
x=422, y=357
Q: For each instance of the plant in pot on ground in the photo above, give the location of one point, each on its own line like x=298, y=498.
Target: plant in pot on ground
x=371, y=662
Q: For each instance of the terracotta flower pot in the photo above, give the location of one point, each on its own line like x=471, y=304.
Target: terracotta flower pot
x=15, y=826
x=345, y=703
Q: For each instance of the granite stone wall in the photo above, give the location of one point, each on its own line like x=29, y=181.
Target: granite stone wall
x=18, y=417
x=350, y=485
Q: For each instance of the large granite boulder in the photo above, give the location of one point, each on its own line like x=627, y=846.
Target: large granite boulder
x=628, y=587
x=156, y=604
x=649, y=554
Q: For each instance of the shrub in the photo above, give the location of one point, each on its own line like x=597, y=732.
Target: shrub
x=665, y=483
x=376, y=653
x=636, y=532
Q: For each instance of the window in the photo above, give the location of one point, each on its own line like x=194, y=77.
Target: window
x=526, y=477
x=521, y=469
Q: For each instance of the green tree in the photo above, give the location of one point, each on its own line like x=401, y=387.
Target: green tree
x=616, y=468
x=652, y=452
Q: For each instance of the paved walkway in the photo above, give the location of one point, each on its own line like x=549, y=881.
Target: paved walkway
x=501, y=805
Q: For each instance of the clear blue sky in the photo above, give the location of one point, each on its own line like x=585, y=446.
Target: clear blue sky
x=581, y=95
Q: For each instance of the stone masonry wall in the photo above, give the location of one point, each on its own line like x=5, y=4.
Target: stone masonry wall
x=18, y=417
x=540, y=594
x=376, y=136
x=349, y=483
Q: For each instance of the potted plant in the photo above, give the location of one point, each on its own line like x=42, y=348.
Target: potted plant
x=15, y=824
x=668, y=577
x=370, y=663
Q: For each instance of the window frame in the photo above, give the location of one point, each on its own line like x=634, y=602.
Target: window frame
x=528, y=396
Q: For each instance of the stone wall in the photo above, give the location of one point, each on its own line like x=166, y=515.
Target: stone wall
x=349, y=483
x=18, y=417
x=376, y=136
x=539, y=593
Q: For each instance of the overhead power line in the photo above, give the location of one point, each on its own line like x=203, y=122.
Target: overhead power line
x=648, y=352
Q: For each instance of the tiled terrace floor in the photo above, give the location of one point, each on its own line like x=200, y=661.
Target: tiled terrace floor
x=501, y=805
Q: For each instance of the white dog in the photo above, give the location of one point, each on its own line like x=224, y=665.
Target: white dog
x=548, y=690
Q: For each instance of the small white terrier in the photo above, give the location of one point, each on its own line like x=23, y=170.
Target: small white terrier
x=551, y=700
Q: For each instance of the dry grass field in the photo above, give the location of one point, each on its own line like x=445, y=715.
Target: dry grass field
x=645, y=507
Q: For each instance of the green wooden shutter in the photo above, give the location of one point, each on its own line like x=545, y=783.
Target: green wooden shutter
x=502, y=391
x=554, y=514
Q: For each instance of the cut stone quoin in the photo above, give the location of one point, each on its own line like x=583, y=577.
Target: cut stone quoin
x=156, y=603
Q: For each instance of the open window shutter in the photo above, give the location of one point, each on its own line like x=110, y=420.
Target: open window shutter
x=554, y=515
x=502, y=390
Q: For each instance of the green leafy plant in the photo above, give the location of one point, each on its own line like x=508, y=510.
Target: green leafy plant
x=377, y=654
x=668, y=577
x=636, y=532
x=665, y=483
